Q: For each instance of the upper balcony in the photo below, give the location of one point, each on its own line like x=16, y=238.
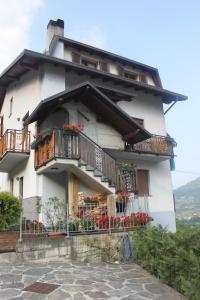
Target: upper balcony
x=156, y=145
x=58, y=150
x=14, y=149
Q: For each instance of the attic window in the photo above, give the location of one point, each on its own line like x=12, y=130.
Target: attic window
x=143, y=78
x=131, y=75
x=89, y=63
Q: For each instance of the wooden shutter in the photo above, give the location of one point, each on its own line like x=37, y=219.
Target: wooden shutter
x=103, y=66
x=143, y=182
x=1, y=125
x=143, y=78
x=76, y=58
x=120, y=71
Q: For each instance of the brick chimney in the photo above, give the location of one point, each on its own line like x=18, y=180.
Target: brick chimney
x=53, y=28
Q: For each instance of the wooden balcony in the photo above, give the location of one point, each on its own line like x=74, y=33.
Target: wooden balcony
x=14, y=149
x=156, y=145
x=70, y=146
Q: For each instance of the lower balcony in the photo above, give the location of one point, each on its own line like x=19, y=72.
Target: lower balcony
x=14, y=149
x=156, y=145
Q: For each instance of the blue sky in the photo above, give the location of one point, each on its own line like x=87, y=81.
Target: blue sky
x=164, y=34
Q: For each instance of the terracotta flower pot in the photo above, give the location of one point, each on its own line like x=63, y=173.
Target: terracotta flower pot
x=55, y=233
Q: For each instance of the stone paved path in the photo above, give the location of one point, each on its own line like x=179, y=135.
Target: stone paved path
x=82, y=281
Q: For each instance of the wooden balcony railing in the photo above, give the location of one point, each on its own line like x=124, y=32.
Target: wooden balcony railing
x=159, y=145
x=14, y=141
x=63, y=144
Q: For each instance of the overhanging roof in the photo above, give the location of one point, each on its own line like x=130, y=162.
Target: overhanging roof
x=29, y=60
x=105, y=54
x=98, y=102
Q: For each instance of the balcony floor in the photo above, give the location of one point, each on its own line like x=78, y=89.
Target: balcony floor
x=12, y=159
x=129, y=155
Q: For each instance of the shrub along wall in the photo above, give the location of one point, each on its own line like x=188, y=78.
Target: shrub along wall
x=173, y=258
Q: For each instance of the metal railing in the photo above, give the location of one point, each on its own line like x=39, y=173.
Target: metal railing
x=66, y=144
x=117, y=213
x=160, y=145
x=15, y=141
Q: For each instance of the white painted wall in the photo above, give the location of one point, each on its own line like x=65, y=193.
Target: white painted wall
x=58, y=50
x=52, y=80
x=101, y=133
x=27, y=93
x=149, y=108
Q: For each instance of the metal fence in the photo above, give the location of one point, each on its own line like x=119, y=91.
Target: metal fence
x=116, y=213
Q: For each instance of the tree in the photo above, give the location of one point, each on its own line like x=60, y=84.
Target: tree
x=10, y=209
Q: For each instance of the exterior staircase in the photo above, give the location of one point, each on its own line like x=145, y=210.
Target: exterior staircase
x=77, y=153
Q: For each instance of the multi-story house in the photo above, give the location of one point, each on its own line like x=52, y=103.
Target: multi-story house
x=119, y=104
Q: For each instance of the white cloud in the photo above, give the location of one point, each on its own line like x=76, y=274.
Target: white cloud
x=15, y=22
x=94, y=36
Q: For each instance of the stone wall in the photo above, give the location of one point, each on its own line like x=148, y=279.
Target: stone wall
x=78, y=247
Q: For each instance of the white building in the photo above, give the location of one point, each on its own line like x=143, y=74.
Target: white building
x=118, y=101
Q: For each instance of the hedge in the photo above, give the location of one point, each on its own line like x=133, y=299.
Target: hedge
x=9, y=210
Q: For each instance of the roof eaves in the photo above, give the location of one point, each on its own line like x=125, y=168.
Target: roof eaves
x=50, y=59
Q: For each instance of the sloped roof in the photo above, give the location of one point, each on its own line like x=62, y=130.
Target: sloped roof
x=106, y=54
x=98, y=102
x=31, y=60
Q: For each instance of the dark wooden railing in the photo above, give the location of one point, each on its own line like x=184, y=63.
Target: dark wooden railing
x=159, y=145
x=15, y=141
x=68, y=145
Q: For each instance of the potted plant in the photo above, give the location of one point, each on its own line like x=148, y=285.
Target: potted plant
x=72, y=129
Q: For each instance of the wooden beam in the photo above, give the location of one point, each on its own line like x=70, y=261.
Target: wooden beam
x=12, y=77
x=130, y=135
x=28, y=66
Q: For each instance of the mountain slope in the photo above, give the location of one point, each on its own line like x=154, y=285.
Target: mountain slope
x=187, y=197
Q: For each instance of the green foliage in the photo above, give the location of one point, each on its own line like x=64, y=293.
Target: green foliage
x=107, y=248
x=173, y=258
x=55, y=211
x=10, y=209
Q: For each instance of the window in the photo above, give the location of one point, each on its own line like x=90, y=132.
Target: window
x=120, y=207
x=131, y=75
x=11, y=185
x=11, y=107
x=143, y=78
x=104, y=66
x=89, y=63
x=143, y=182
x=21, y=187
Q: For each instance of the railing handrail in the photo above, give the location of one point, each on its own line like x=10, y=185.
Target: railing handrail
x=89, y=139
x=9, y=144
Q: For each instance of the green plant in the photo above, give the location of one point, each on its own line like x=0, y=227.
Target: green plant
x=10, y=209
x=172, y=257
x=55, y=211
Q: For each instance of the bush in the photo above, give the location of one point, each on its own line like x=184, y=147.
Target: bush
x=173, y=258
x=10, y=209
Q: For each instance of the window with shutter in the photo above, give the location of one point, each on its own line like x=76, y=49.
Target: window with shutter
x=103, y=66
x=120, y=71
x=76, y=58
x=143, y=78
x=143, y=182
